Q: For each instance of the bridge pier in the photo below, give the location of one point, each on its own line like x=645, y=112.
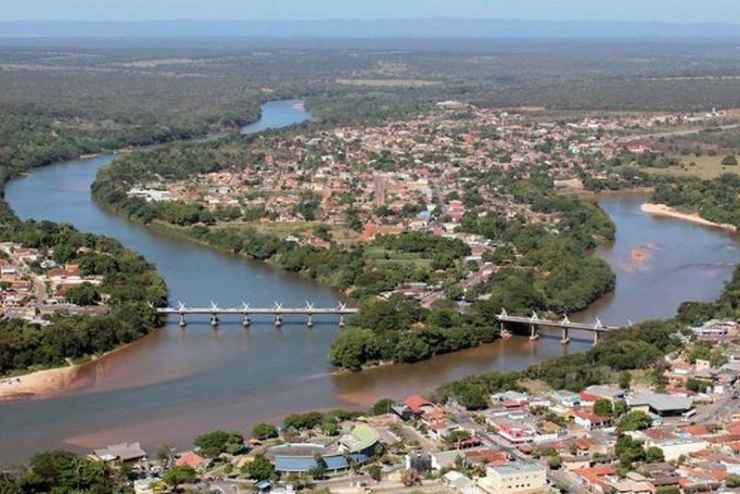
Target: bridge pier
x=183, y=322
x=341, y=321
x=246, y=322
x=565, y=339
x=214, y=320
x=278, y=321
x=309, y=321
x=533, y=333
x=596, y=338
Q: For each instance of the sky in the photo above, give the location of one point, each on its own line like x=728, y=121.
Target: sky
x=671, y=11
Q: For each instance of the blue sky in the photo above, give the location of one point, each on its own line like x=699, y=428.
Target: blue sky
x=680, y=11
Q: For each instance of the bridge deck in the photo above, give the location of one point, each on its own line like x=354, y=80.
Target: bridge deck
x=557, y=324
x=254, y=311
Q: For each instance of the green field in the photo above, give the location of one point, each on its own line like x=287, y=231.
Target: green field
x=706, y=167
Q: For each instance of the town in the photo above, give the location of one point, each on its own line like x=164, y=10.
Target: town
x=675, y=431
x=36, y=285
x=441, y=174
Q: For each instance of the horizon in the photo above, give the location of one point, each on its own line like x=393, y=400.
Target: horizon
x=709, y=11
x=418, y=28
x=371, y=19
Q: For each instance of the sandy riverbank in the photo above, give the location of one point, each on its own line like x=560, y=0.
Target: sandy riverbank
x=50, y=382
x=41, y=383
x=663, y=210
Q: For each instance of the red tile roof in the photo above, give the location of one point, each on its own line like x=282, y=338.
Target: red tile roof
x=416, y=403
x=191, y=459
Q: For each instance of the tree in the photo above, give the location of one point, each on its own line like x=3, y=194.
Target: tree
x=83, y=294
x=303, y=421
x=264, y=431
x=603, y=408
x=733, y=481
x=164, y=455
x=330, y=427
x=634, y=421
x=382, y=407
x=625, y=380
x=180, y=475
x=654, y=455
x=620, y=408
x=259, y=469
x=729, y=160
x=214, y=443
x=473, y=397
x=375, y=472
x=629, y=451
x=62, y=471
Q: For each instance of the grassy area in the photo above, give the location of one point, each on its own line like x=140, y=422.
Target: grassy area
x=705, y=167
x=384, y=256
x=535, y=386
x=339, y=233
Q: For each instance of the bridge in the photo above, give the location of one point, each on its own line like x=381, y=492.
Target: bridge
x=534, y=322
x=277, y=311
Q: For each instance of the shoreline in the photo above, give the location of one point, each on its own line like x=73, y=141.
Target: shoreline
x=38, y=384
x=47, y=383
x=668, y=212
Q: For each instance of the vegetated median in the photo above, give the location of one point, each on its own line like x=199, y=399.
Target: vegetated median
x=536, y=268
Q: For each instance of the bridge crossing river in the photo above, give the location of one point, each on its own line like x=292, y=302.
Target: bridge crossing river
x=277, y=311
x=566, y=325
x=173, y=385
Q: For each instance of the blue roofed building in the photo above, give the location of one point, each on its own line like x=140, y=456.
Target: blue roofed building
x=358, y=447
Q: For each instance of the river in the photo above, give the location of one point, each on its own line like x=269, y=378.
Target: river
x=176, y=383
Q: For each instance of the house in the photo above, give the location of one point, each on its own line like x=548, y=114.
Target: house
x=418, y=405
x=675, y=447
x=514, y=478
x=419, y=461
x=514, y=431
x=665, y=405
x=606, y=392
x=596, y=478
x=488, y=457
x=589, y=420
x=192, y=460
x=445, y=459
x=124, y=452
x=460, y=482
x=566, y=398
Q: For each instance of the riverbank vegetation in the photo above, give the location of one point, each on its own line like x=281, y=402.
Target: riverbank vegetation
x=537, y=267
x=639, y=347
x=714, y=200
x=131, y=286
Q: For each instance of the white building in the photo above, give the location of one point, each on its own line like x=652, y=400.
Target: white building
x=514, y=478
